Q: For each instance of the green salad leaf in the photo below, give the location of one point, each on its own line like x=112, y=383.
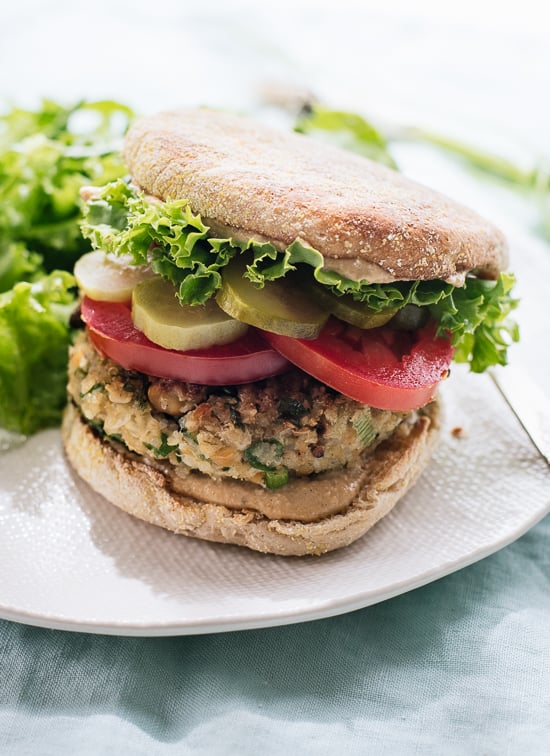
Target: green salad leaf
x=477, y=317
x=83, y=123
x=17, y=263
x=348, y=130
x=34, y=338
x=176, y=243
x=46, y=156
x=44, y=161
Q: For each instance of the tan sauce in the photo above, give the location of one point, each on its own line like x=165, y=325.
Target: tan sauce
x=305, y=500
x=358, y=270
x=354, y=269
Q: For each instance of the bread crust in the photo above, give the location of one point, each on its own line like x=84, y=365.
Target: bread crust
x=256, y=181
x=143, y=491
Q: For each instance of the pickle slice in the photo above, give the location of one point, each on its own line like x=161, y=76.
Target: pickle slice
x=156, y=312
x=280, y=306
x=108, y=279
x=345, y=308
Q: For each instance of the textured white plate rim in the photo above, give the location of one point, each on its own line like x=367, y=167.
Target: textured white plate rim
x=229, y=623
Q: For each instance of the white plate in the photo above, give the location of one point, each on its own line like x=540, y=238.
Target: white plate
x=70, y=560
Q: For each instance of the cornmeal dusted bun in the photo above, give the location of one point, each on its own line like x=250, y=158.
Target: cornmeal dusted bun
x=367, y=220
x=146, y=491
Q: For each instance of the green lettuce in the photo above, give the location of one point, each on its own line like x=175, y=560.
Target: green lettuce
x=477, y=317
x=44, y=161
x=17, y=263
x=46, y=156
x=34, y=338
x=176, y=243
x=348, y=130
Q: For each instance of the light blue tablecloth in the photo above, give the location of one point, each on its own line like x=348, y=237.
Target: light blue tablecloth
x=461, y=666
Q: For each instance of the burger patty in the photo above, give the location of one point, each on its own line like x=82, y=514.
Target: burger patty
x=290, y=423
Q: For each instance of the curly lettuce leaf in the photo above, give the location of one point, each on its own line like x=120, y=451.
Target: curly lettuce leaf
x=34, y=339
x=168, y=236
x=176, y=243
x=476, y=316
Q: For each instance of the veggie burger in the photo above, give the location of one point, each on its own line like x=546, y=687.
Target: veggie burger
x=267, y=320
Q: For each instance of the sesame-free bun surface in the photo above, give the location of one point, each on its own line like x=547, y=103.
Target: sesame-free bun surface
x=254, y=181
x=144, y=491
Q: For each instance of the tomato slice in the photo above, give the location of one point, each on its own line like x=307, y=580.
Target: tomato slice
x=381, y=367
x=112, y=331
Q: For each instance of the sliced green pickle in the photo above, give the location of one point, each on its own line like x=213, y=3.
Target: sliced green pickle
x=281, y=306
x=156, y=312
x=345, y=308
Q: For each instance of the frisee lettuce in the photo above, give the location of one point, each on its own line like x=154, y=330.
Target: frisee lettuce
x=176, y=243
